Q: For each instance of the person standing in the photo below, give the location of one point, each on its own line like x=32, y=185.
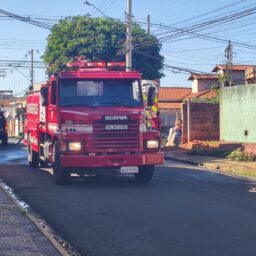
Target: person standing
x=174, y=137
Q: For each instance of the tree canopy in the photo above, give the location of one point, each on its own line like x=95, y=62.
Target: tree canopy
x=102, y=39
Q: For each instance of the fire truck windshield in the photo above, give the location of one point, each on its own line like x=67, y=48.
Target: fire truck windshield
x=95, y=93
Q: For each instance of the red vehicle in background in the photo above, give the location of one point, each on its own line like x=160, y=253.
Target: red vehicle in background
x=89, y=119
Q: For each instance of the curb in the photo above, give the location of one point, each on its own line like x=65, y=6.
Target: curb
x=183, y=161
x=210, y=169
x=58, y=243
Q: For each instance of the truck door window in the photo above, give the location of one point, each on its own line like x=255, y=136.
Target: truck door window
x=53, y=93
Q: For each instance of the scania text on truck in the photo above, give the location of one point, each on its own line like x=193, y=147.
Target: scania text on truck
x=91, y=118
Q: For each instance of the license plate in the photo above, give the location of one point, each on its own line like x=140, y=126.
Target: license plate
x=129, y=169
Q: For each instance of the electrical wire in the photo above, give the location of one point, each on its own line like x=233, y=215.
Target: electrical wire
x=26, y=20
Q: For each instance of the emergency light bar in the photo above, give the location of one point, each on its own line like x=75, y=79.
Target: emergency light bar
x=116, y=64
x=94, y=64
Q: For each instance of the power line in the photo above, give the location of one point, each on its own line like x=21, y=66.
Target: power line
x=26, y=20
x=192, y=30
x=210, y=12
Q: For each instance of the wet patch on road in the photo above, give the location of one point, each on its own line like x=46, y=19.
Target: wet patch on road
x=13, y=154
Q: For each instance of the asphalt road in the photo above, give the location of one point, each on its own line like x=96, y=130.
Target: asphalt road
x=185, y=210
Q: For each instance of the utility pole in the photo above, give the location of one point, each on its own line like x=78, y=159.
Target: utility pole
x=229, y=64
x=148, y=24
x=31, y=52
x=129, y=36
x=32, y=68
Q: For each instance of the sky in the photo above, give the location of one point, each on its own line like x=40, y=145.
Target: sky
x=194, y=34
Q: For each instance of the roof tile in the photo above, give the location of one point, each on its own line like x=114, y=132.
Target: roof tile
x=233, y=67
x=207, y=94
x=169, y=105
x=203, y=77
x=173, y=93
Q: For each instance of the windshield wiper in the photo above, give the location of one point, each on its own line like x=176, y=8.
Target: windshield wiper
x=80, y=105
x=119, y=103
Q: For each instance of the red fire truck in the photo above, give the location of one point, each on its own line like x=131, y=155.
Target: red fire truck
x=88, y=119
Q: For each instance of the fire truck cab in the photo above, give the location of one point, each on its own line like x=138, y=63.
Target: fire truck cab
x=90, y=119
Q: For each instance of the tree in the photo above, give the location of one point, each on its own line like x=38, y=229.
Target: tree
x=101, y=39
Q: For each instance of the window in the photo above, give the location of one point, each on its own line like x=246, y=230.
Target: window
x=109, y=92
x=53, y=93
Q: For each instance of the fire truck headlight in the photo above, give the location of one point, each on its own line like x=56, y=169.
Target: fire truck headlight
x=74, y=146
x=152, y=144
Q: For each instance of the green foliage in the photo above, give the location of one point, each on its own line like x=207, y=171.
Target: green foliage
x=101, y=39
x=213, y=100
x=239, y=155
x=236, y=155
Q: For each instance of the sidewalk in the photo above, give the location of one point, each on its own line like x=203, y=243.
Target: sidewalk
x=18, y=235
x=241, y=169
x=22, y=233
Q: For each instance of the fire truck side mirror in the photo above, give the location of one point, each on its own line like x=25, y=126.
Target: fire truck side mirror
x=151, y=96
x=44, y=96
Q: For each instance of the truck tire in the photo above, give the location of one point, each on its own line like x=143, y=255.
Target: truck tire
x=145, y=173
x=43, y=164
x=61, y=175
x=33, y=156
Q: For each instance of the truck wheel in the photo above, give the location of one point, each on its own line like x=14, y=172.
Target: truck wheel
x=145, y=173
x=61, y=175
x=43, y=164
x=33, y=156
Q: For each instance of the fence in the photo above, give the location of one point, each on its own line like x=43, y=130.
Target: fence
x=200, y=121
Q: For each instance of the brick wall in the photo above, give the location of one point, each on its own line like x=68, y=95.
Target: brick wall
x=204, y=122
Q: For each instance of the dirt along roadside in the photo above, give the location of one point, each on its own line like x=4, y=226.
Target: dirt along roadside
x=237, y=168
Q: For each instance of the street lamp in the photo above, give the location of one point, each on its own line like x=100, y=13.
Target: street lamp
x=128, y=32
x=90, y=4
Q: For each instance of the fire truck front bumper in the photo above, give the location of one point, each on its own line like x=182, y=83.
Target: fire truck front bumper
x=111, y=161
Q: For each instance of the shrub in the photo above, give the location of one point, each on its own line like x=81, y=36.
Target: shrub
x=239, y=155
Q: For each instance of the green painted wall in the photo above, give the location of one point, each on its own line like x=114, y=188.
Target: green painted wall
x=238, y=113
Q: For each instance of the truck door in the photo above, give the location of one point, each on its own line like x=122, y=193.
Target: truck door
x=52, y=113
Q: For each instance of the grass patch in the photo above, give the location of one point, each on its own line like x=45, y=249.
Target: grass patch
x=212, y=149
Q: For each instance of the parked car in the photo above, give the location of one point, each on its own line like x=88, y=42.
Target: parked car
x=3, y=129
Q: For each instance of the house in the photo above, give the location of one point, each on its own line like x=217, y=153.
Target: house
x=250, y=75
x=169, y=104
x=170, y=100
x=14, y=109
x=6, y=94
x=238, y=73
x=203, y=82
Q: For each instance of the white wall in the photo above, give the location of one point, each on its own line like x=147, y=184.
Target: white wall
x=238, y=77
x=202, y=85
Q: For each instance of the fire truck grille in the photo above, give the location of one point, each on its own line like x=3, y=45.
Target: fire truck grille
x=116, y=136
